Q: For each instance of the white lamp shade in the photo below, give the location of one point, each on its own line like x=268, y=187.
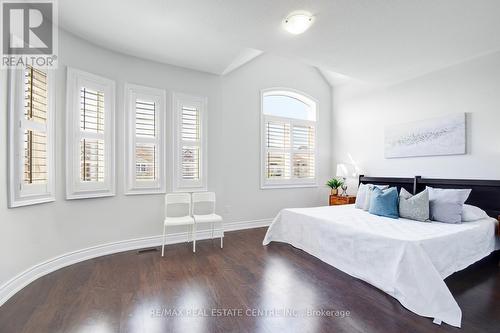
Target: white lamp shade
x=346, y=170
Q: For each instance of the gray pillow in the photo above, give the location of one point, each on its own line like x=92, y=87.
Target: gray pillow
x=446, y=205
x=414, y=207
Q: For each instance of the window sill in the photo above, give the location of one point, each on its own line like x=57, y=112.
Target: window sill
x=30, y=202
x=284, y=186
x=190, y=189
x=140, y=191
x=89, y=195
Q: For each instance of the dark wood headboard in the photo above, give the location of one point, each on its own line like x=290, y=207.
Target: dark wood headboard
x=485, y=193
x=407, y=183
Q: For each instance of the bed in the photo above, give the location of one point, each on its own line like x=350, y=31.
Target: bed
x=407, y=259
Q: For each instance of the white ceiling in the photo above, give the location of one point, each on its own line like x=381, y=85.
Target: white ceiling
x=376, y=41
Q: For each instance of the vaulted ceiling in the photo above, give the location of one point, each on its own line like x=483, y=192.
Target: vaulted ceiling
x=376, y=41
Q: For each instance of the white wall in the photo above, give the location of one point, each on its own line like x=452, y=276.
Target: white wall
x=241, y=128
x=472, y=87
x=30, y=235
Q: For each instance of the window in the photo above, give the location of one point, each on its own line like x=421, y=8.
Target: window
x=90, y=151
x=190, y=162
x=288, y=139
x=31, y=137
x=145, y=136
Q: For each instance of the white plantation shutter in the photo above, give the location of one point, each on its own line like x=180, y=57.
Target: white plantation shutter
x=303, y=151
x=288, y=143
x=145, y=168
x=145, y=118
x=31, y=136
x=190, y=157
x=278, y=150
x=146, y=141
x=35, y=157
x=145, y=161
x=90, y=135
x=190, y=141
x=34, y=126
x=92, y=157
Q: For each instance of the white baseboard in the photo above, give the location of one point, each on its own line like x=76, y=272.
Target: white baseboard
x=11, y=287
x=241, y=225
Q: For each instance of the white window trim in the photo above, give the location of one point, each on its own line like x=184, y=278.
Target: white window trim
x=287, y=183
x=75, y=189
x=178, y=100
x=132, y=186
x=19, y=195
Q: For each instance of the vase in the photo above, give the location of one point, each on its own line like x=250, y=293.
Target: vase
x=334, y=191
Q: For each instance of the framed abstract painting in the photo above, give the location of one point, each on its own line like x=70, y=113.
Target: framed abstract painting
x=430, y=137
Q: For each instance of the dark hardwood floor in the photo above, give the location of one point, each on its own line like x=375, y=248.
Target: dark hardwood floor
x=142, y=292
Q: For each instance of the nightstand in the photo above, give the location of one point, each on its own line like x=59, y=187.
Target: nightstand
x=336, y=200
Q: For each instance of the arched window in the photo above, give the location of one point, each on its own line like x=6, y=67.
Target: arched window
x=288, y=139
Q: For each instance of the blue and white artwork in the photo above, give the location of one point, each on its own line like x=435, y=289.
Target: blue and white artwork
x=430, y=137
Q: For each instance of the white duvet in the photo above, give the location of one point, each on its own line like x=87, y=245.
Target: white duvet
x=406, y=259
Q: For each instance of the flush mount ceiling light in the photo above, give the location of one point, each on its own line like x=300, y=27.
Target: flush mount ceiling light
x=298, y=22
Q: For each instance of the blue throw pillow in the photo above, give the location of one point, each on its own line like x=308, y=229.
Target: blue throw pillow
x=385, y=202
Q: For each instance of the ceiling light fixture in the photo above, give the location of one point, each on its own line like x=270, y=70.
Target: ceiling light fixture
x=298, y=22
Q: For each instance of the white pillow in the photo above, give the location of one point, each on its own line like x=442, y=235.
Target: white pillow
x=361, y=196
x=369, y=191
x=472, y=213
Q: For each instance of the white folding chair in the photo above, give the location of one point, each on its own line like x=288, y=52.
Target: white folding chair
x=177, y=212
x=206, y=214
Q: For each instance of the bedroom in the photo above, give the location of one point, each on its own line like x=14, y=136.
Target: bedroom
x=85, y=253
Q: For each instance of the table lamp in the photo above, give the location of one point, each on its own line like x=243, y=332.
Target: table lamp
x=344, y=171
